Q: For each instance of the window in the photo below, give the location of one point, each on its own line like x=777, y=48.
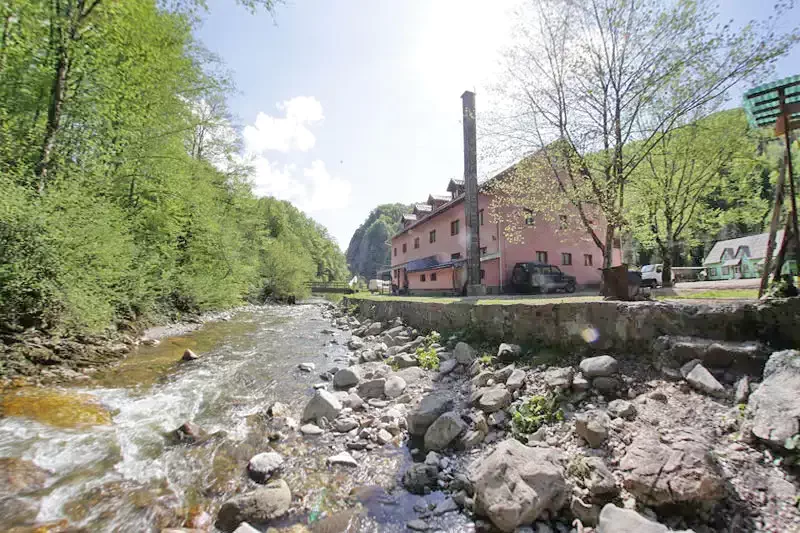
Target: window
x=587, y=260
x=529, y=219
x=395, y=251
x=404, y=247
x=566, y=259
x=562, y=221
x=433, y=276
x=432, y=236
x=416, y=242
x=454, y=227
x=422, y=278
x=541, y=257
x=726, y=271
x=453, y=257
x=483, y=250
x=483, y=274
x=480, y=217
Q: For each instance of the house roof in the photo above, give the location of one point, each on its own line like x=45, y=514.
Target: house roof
x=455, y=185
x=439, y=197
x=757, y=245
x=411, y=217
x=430, y=263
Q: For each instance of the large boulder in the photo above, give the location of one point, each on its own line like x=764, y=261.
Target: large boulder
x=464, y=353
x=494, y=399
x=682, y=471
x=374, y=329
x=559, y=378
x=443, y=431
x=516, y=484
x=372, y=389
x=262, y=466
x=702, y=380
x=346, y=378
x=20, y=476
x=775, y=405
x=322, y=405
x=394, y=386
x=600, y=366
x=261, y=505
x=429, y=409
x=516, y=380
x=614, y=519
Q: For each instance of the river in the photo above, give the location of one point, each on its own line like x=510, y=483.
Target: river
x=110, y=465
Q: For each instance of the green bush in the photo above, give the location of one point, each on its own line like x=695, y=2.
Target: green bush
x=535, y=412
x=428, y=358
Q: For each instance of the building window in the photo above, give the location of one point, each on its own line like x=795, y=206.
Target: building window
x=529, y=219
x=541, y=257
x=432, y=236
x=480, y=217
x=483, y=250
x=422, y=277
x=587, y=260
x=416, y=242
x=454, y=227
x=562, y=221
x=726, y=271
x=483, y=274
x=433, y=276
x=395, y=251
x=404, y=247
x=566, y=259
x=453, y=257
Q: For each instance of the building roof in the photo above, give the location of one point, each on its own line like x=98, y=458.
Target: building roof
x=757, y=244
x=430, y=263
x=427, y=208
x=411, y=217
x=440, y=197
x=455, y=185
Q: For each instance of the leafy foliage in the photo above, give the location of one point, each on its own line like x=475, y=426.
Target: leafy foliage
x=428, y=358
x=535, y=412
x=123, y=194
x=369, y=248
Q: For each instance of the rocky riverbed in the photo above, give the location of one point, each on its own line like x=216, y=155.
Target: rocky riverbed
x=303, y=418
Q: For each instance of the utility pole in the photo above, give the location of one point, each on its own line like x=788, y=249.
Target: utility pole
x=474, y=287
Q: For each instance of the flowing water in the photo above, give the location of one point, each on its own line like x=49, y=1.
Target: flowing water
x=111, y=466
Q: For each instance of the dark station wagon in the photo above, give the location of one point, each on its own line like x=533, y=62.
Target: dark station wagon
x=540, y=277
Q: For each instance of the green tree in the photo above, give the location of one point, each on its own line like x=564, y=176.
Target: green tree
x=369, y=249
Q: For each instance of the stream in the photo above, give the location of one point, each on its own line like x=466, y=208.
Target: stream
x=110, y=465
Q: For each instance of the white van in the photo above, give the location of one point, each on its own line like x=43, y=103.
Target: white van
x=379, y=285
x=653, y=276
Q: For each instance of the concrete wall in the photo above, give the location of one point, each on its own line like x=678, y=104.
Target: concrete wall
x=604, y=325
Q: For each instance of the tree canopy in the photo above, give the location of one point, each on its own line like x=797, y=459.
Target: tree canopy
x=369, y=248
x=123, y=194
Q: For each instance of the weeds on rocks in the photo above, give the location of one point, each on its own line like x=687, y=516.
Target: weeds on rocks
x=533, y=413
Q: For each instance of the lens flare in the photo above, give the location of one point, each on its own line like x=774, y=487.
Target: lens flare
x=590, y=335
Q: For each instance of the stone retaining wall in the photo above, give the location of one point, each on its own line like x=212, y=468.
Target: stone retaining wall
x=605, y=325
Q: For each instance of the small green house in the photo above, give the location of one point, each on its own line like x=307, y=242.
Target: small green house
x=742, y=257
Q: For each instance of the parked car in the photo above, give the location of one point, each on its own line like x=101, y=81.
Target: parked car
x=540, y=277
x=653, y=275
x=379, y=285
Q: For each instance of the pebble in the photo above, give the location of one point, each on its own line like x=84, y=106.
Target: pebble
x=311, y=429
x=418, y=525
x=343, y=458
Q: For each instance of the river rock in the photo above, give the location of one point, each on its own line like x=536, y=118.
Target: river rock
x=448, y=505
x=262, y=466
x=464, y=353
x=394, y=386
x=343, y=458
x=262, y=505
x=682, y=471
x=190, y=433
x=579, y=383
x=502, y=375
x=446, y=367
x=742, y=390
x=244, y=527
x=411, y=375
x=443, y=431
x=311, y=429
x=494, y=399
x=702, y=380
x=343, y=425
x=622, y=409
x=614, y=519
x=189, y=355
x=600, y=482
x=592, y=426
x=306, y=367
x=508, y=352
x=775, y=405
x=372, y=389
x=482, y=379
x=374, y=329
x=516, y=484
x=600, y=366
x=420, y=477
x=20, y=476
x=346, y=378
x=355, y=343
x=606, y=384
x=403, y=360
x=516, y=380
x=417, y=525
x=322, y=405
x=429, y=409
x=278, y=410
x=353, y=401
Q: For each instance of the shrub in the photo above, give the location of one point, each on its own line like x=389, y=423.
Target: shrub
x=534, y=412
x=428, y=358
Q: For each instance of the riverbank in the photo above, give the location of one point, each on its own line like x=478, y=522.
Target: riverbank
x=36, y=357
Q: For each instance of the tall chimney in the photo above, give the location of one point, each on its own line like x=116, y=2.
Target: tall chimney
x=474, y=287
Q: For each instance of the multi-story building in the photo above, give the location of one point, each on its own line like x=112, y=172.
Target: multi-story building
x=429, y=252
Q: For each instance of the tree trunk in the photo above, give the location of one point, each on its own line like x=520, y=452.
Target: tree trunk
x=666, y=257
x=608, y=247
x=53, y=115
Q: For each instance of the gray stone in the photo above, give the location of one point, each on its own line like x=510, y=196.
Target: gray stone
x=504, y=373
x=262, y=466
x=420, y=477
x=689, y=366
x=614, y=519
x=470, y=439
x=600, y=482
x=516, y=380
x=189, y=355
x=417, y=525
x=346, y=378
x=383, y=437
x=579, y=383
x=403, y=360
x=592, y=427
x=343, y=458
x=244, y=527
x=443, y=431
x=353, y=401
x=448, y=505
x=446, y=367
x=775, y=405
x=599, y=366
x=606, y=385
x=559, y=378
x=355, y=343
x=278, y=410
x=464, y=353
x=394, y=386
x=682, y=471
x=372, y=389
x=343, y=425
x=262, y=505
x=306, y=367
x=622, y=409
x=311, y=429
x=742, y=390
x=494, y=399
x=411, y=375
x=322, y=405
x=515, y=484
x=429, y=409
x=702, y=380
x=374, y=329
x=481, y=379
x=508, y=352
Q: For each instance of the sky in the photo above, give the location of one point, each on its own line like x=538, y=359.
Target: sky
x=345, y=105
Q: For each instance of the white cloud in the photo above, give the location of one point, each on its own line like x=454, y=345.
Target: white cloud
x=284, y=134
x=324, y=191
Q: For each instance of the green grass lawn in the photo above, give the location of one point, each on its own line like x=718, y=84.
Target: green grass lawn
x=511, y=300
x=719, y=294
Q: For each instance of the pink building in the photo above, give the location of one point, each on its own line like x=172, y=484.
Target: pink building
x=429, y=252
